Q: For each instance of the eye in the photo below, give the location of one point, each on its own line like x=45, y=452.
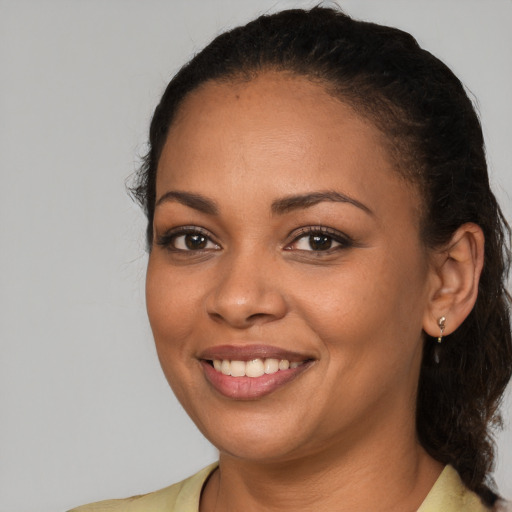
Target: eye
x=193, y=242
x=316, y=242
x=187, y=239
x=319, y=239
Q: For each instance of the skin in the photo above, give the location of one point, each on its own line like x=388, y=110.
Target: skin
x=358, y=310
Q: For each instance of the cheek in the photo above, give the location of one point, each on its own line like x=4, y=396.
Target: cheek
x=377, y=303
x=170, y=311
x=170, y=304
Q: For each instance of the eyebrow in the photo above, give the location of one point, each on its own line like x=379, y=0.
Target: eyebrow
x=195, y=201
x=302, y=201
x=280, y=206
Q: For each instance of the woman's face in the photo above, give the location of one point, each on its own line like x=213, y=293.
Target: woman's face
x=284, y=237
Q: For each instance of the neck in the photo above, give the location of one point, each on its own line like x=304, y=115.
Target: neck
x=341, y=479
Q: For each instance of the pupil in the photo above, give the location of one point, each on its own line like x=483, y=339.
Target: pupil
x=320, y=242
x=195, y=241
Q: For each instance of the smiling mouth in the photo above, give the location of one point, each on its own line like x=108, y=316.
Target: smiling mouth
x=251, y=371
x=254, y=368
x=252, y=379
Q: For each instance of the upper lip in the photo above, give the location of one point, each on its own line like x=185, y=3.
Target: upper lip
x=249, y=352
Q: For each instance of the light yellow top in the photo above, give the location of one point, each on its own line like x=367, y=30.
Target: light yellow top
x=447, y=495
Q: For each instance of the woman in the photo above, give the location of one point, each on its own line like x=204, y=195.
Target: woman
x=326, y=274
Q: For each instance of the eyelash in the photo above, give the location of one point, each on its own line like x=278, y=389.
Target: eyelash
x=343, y=241
x=168, y=239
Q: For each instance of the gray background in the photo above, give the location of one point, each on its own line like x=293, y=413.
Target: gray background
x=85, y=411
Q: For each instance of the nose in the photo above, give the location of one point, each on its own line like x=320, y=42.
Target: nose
x=246, y=293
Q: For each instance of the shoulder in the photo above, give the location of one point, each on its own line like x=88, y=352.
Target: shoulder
x=449, y=494
x=182, y=496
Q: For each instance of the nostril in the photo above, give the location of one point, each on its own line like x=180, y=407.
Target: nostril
x=257, y=316
x=216, y=316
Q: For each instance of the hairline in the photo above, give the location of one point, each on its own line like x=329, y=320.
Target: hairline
x=405, y=165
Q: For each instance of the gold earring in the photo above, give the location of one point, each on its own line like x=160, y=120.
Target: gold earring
x=441, y=322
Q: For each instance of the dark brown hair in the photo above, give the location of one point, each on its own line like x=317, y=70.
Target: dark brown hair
x=435, y=136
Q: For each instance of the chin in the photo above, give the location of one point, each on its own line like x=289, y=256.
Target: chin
x=263, y=452
x=253, y=437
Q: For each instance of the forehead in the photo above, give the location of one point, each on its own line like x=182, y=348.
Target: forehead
x=278, y=132
x=278, y=100
x=278, y=110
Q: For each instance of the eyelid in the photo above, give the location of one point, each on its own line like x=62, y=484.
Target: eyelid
x=337, y=236
x=166, y=239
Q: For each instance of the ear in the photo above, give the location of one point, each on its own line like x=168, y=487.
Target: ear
x=456, y=270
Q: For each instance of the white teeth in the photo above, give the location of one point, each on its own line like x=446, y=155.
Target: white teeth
x=237, y=368
x=284, y=364
x=225, y=367
x=271, y=366
x=253, y=368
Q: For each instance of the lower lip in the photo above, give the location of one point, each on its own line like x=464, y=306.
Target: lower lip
x=250, y=388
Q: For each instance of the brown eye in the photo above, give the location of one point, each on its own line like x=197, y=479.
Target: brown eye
x=316, y=242
x=195, y=242
x=192, y=242
x=187, y=239
x=320, y=242
x=320, y=239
